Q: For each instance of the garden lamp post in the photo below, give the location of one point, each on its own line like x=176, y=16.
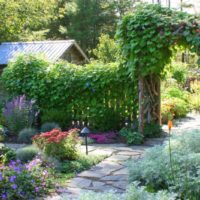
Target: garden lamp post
x=84, y=132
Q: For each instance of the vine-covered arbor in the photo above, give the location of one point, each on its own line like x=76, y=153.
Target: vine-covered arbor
x=148, y=38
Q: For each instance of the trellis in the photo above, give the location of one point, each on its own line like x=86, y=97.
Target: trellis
x=148, y=38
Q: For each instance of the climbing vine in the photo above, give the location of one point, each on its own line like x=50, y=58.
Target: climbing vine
x=148, y=38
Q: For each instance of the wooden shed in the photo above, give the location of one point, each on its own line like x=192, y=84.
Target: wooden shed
x=67, y=50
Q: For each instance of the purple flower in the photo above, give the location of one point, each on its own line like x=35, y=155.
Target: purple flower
x=19, y=108
x=1, y=177
x=37, y=189
x=17, y=169
x=12, y=179
x=12, y=163
x=14, y=186
x=4, y=196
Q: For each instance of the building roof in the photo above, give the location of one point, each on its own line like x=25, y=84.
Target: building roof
x=53, y=50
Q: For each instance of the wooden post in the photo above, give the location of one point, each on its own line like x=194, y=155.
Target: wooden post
x=158, y=110
x=141, y=105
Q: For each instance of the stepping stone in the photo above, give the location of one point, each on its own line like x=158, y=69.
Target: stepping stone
x=106, y=167
x=119, y=184
x=123, y=171
x=92, y=174
x=115, y=177
x=118, y=158
x=80, y=182
x=101, y=152
x=129, y=153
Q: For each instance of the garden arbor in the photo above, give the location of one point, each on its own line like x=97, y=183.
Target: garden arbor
x=148, y=39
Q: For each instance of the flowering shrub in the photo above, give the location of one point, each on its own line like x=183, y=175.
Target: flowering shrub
x=19, y=113
x=58, y=144
x=104, y=138
x=19, y=181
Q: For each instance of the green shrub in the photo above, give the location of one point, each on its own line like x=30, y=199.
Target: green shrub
x=181, y=174
x=61, y=145
x=25, y=135
x=27, y=153
x=195, y=96
x=59, y=116
x=175, y=103
x=195, y=102
x=2, y=133
x=152, y=130
x=131, y=136
x=6, y=155
x=179, y=72
x=48, y=126
x=102, y=95
x=176, y=107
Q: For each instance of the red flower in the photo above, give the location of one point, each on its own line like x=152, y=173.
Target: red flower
x=198, y=30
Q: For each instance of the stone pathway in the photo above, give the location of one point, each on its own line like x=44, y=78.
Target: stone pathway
x=112, y=173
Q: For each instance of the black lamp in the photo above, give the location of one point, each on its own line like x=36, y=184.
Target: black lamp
x=84, y=132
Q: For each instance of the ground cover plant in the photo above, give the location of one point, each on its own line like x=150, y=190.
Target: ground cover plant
x=104, y=138
x=133, y=193
x=180, y=174
x=69, y=169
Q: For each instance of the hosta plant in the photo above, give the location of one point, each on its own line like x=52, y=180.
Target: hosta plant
x=58, y=144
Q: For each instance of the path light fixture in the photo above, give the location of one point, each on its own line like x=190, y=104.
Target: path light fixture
x=84, y=132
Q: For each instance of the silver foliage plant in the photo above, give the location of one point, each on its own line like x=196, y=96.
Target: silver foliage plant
x=155, y=173
x=134, y=192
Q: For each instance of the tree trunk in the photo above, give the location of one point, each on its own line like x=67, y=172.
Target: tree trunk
x=149, y=101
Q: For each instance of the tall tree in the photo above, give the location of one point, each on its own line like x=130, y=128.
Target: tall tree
x=86, y=20
x=23, y=16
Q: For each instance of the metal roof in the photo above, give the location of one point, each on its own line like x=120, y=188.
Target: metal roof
x=53, y=50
